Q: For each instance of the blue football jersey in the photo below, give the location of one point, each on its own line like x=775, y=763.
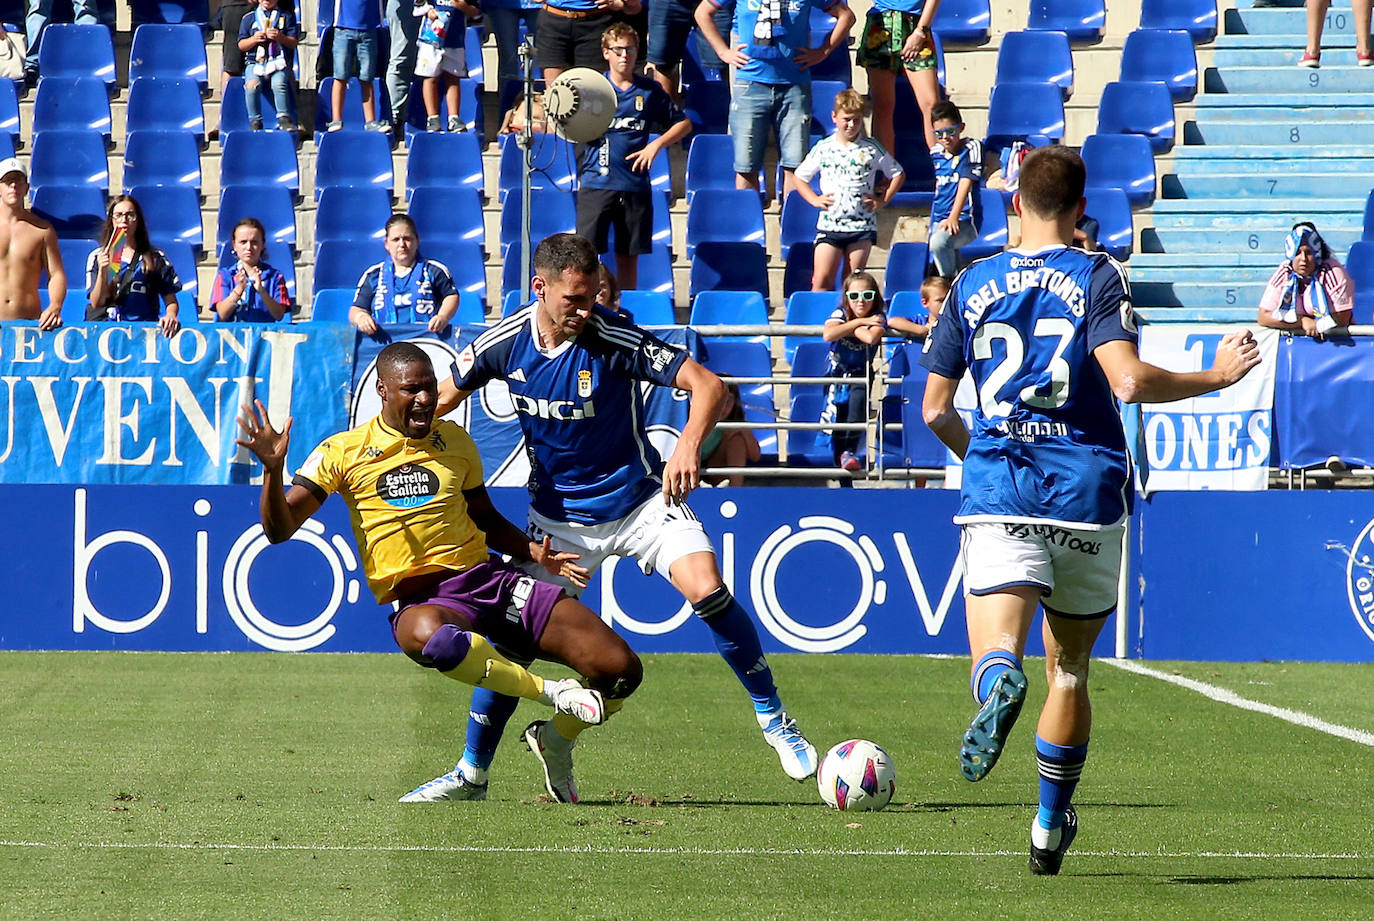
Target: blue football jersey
x=966, y=164
x=640, y=110
x=580, y=408
x=1046, y=441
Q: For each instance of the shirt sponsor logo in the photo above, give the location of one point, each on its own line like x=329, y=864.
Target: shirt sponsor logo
x=408, y=486
x=557, y=410
x=466, y=359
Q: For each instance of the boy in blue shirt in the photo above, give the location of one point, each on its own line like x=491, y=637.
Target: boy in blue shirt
x=615, y=189
x=357, y=24
x=958, y=163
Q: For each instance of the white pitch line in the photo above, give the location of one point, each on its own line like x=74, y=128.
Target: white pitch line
x=651, y=851
x=1222, y=695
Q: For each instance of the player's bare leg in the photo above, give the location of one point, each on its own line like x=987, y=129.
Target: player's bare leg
x=998, y=624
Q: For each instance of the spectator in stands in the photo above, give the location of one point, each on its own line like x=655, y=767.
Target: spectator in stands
x=608, y=294
x=570, y=33
x=958, y=163
x=126, y=278
x=732, y=447
x=896, y=39
x=36, y=22
x=855, y=331
x=403, y=24
x=357, y=24
x=613, y=177
x=504, y=17
x=441, y=58
x=858, y=176
x=30, y=247
x=1310, y=293
x=267, y=39
x=772, y=82
x=670, y=29
x=934, y=290
x=1316, y=19
x=1005, y=176
x=514, y=121
x=406, y=288
x=250, y=290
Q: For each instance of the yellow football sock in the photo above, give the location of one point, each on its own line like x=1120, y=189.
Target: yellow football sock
x=486, y=668
x=570, y=727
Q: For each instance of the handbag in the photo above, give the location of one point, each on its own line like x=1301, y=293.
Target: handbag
x=13, y=47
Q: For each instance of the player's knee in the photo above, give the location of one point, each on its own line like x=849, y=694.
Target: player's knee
x=618, y=674
x=418, y=631
x=1068, y=672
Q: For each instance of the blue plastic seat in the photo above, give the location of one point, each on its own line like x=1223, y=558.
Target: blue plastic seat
x=169, y=51
x=707, y=105
x=1112, y=211
x=553, y=161
x=161, y=158
x=1359, y=262
x=963, y=22
x=511, y=301
x=1138, y=108
x=726, y=215
x=908, y=305
x=164, y=104
x=357, y=159
x=736, y=358
x=331, y=305
x=919, y=446
x=353, y=104
x=804, y=448
x=260, y=158
x=807, y=308
x=351, y=214
x=1196, y=17
x=551, y=211
x=75, y=158
x=1121, y=161
x=711, y=164
x=810, y=359
x=730, y=308
x=465, y=262
x=650, y=308
x=468, y=109
x=441, y=159
x=906, y=267
x=72, y=104
x=448, y=214
x=341, y=263
x=1036, y=57
x=472, y=48
x=9, y=113
x=729, y=267
x=172, y=214
x=992, y=228
x=183, y=259
x=836, y=66
x=655, y=271
x=797, y=224
x=1017, y=110
x=273, y=205
x=661, y=172
x=170, y=11
x=1368, y=233
x=68, y=50
x=1162, y=55
x=823, y=93
x=233, y=115
x=76, y=212
x=75, y=254
x=1080, y=20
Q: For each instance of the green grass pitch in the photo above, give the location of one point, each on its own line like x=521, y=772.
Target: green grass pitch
x=248, y=786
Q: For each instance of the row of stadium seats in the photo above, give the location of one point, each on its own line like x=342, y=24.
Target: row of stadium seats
x=970, y=21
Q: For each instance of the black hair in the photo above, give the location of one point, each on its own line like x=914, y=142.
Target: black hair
x=559, y=252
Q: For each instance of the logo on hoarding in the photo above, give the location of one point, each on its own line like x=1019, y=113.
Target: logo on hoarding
x=1359, y=579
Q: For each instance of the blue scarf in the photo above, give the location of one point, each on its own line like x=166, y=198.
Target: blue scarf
x=1299, y=286
x=270, y=57
x=384, y=301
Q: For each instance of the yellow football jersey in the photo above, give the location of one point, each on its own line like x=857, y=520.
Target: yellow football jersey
x=405, y=498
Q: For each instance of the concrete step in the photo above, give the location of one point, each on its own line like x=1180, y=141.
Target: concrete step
x=1285, y=21
x=1208, y=261
x=1250, y=185
x=1299, y=164
x=1290, y=101
x=1197, y=274
x=1240, y=42
x=1288, y=80
x=1268, y=240
x=1246, y=222
x=1271, y=152
x=1165, y=314
x=1296, y=131
x=1288, y=56
x=1181, y=208
x=1197, y=294
x=1310, y=112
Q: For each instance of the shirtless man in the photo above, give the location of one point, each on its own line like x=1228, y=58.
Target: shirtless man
x=28, y=244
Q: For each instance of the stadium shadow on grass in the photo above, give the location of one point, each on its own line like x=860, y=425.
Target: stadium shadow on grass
x=1267, y=877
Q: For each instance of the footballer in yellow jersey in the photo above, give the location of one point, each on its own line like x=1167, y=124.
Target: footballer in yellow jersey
x=424, y=525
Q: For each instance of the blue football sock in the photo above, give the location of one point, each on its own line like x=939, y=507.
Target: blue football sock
x=1060, y=767
x=487, y=717
x=737, y=641
x=987, y=671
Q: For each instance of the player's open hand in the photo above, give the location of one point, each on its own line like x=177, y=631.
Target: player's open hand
x=735, y=57
x=266, y=443
x=681, y=474
x=1236, y=355
x=561, y=563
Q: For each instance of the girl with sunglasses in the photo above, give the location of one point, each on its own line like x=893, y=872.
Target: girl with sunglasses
x=855, y=331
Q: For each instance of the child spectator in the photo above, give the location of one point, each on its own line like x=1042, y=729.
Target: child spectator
x=615, y=191
x=1310, y=293
x=855, y=332
x=514, y=121
x=730, y=448
x=896, y=39
x=356, y=27
x=406, y=288
x=608, y=294
x=126, y=278
x=958, y=163
x=250, y=290
x=267, y=38
x=441, y=58
x=850, y=165
x=934, y=290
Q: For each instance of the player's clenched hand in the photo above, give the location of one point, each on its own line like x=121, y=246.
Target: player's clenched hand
x=265, y=442
x=1236, y=355
x=681, y=475
x=560, y=563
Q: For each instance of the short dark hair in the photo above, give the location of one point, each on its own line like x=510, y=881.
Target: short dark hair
x=399, y=354
x=559, y=252
x=1052, y=181
x=945, y=110
x=399, y=218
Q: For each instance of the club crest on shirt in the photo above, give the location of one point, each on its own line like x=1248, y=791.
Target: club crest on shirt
x=584, y=383
x=639, y=103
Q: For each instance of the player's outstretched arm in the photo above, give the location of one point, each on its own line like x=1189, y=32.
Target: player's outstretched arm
x=449, y=397
x=1136, y=381
x=937, y=408
x=282, y=512
x=682, y=472
x=504, y=537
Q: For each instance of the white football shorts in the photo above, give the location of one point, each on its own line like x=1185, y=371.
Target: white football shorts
x=655, y=535
x=1077, y=570
x=429, y=60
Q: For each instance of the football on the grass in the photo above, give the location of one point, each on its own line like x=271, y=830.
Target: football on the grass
x=857, y=775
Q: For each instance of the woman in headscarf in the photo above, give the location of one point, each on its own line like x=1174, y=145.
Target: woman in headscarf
x=1310, y=293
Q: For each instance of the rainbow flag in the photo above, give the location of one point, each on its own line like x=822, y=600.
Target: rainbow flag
x=116, y=251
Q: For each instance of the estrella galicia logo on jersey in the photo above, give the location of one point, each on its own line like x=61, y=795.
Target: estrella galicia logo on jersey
x=1359, y=579
x=658, y=356
x=408, y=486
x=584, y=383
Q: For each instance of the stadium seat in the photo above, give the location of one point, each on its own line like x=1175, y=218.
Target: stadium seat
x=553, y=161
x=472, y=47
x=170, y=11
x=346, y=213
x=804, y=446
x=75, y=253
x=356, y=159
x=74, y=158
x=331, y=305
x=650, y=308
x=707, y=104
x=512, y=302
x=448, y=160
x=729, y=267
x=183, y=260
x=169, y=51
x=472, y=306
x=161, y=158
x=163, y=104
x=1138, y=108
x=353, y=104
x=909, y=306
x=992, y=228
x=811, y=359
x=1080, y=20
x=799, y=268
x=1359, y=262
x=76, y=212
x=1368, y=232
x=725, y=215
x=906, y=267
x=551, y=211
x=233, y=115
x=1036, y=57
x=468, y=109
x=273, y=205
x=711, y=164
x=963, y=22
x=1017, y=110
x=71, y=51
x=823, y=93
x=1121, y=161
x=919, y=446
x=655, y=270
x=661, y=172
x=1196, y=17
x=1112, y=211
x=728, y=308
x=736, y=358
x=9, y=113
x=797, y=224
x=448, y=214
x=464, y=262
x=72, y=104
x=260, y=158
x=341, y=263
x=1161, y=55
x=807, y=308
x=172, y=214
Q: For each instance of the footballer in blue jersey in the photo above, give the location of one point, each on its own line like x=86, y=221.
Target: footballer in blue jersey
x=598, y=488
x=1047, y=336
